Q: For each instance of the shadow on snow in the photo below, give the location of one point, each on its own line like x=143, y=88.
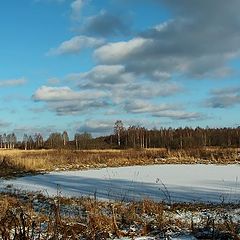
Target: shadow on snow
x=125, y=190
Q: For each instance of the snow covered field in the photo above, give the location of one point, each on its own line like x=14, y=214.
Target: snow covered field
x=193, y=183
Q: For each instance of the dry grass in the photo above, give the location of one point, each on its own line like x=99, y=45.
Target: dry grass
x=21, y=161
x=36, y=217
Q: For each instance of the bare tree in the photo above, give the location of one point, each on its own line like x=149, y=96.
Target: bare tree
x=30, y=142
x=25, y=141
x=55, y=140
x=38, y=139
x=83, y=140
x=65, y=138
x=13, y=140
x=76, y=139
x=118, y=129
x=5, y=140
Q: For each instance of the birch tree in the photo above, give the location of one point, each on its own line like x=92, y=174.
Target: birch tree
x=118, y=129
x=65, y=138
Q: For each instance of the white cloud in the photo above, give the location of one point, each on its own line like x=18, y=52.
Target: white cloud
x=106, y=24
x=65, y=101
x=115, y=52
x=75, y=107
x=12, y=82
x=105, y=76
x=53, y=81
x=160, y=76
x=123, y=85
x=179, y=115
x=97, y=127
x=75, y=45
x=144, y=90
x=76, y=7
x=140, y=106
x=49, y=94
x=163, y=110
x=195, y=43
x=224, y=98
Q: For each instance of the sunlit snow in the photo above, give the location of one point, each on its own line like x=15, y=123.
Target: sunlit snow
x=200, y=183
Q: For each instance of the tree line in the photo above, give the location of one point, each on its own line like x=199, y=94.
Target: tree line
x=130, y=137
x=175, y=138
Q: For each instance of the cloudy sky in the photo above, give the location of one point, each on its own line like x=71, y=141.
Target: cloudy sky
x=83, y=64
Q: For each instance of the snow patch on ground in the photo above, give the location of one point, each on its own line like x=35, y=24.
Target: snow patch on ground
x=188, y=183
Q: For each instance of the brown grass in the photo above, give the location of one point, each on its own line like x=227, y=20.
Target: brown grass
x=37, y=217
x=21, y=161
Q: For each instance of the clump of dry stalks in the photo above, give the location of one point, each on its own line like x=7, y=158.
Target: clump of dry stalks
x=37, y=217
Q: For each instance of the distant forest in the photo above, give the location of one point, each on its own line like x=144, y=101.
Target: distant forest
x=131, y=137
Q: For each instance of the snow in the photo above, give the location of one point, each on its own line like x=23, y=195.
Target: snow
x=173, y=236
x=178, y=236
x=190, y=183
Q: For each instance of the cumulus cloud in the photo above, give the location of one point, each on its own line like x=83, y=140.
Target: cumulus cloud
x=97, y=127
x=65, y=101
x=140, y=106
x=75, y=45
x=78, y=107
x=120, y=51
x=179, y=115
x=226, y=91
x=103, y=77
x=160, y=76
x=195, y=43
x=105, y=24
x=125, y=95
x=123, y=85
x=144, y=90
x=12, y=82
x=224, y=98
x=173, y=112
x=46, y=93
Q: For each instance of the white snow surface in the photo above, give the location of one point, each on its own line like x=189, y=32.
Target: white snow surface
x=178, y=183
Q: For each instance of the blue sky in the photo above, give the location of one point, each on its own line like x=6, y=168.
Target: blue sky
x=80, y=65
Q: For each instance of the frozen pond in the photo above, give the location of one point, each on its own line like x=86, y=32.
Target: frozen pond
x=201, y=183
